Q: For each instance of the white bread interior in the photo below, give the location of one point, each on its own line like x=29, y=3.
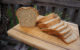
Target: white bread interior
x=65, y=30
x=62, y=27
x=40, y=17
x=48, y=23
x=68, y=34
x=27, y=16
x=57, y=25
x=47, y=18
x=71, y=38
x=52, y=20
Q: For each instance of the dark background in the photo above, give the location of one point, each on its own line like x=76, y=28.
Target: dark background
x=68, y=10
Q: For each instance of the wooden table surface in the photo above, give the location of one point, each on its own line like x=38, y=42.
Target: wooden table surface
x=34, y=37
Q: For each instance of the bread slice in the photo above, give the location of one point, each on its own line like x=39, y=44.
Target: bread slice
x=71, y=38
x=62, y=27
x=52, y=29
x=57, y=30
x=39, y=17
x=49, y=23
x=56, y=25
x=47, y=18
x=27, y=16
x=66, y=30
x=66, y=35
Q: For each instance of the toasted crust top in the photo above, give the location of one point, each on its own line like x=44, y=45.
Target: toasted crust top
x=48, y=17
x=27, y=16
x=27, y=8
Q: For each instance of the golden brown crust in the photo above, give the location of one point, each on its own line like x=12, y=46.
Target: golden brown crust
x=52, y=31
x=46, y=18
x=66, y=32
x=58, y=26
x=26, y=8
x=62, y=28
x=62, y=37
x=71, y=41
x=42, y=25
x=68, y=35
x=54, y=22
x=37, y=13
x=56, y=33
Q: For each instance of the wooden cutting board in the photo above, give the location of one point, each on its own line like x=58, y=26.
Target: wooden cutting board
x=41, y=40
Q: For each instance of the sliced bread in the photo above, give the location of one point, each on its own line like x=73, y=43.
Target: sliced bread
x=27, y=16
x=46, y=18
x=71, y=38
x=52, y=29
x=66, y=30
x=56, y=25
x=62, y=27
x=66, y=35
x=39, y=17
x=49, y=23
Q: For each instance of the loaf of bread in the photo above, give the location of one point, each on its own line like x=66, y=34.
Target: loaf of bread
x=42, y=19
x=47, y=21
x=53, y=25
x=56, y=30
x=52, y=29
x=27, y=16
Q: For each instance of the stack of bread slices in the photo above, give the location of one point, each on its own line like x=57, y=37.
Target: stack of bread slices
x=52, y=24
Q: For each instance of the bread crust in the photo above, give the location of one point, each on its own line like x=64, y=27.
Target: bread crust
x=46, y=18
x=42, y=25
x=37, y=13
x=26, y=8
x=58, y=26
x=63, y=28
x=71, y=41
x=58, y=33
x=66, y=32
x=52, y=31
x=62, y=37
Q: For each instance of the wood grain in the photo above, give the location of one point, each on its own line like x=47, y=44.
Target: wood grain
x=41, y=40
